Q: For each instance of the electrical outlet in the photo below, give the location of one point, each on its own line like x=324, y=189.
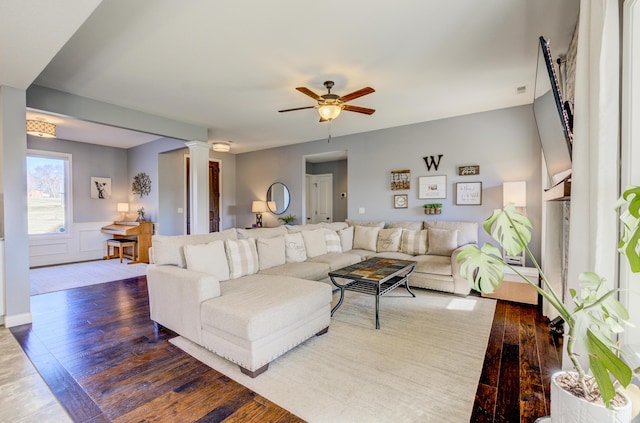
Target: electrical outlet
x=180, y=210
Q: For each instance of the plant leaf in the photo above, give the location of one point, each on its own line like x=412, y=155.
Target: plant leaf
x=483, y=268
x=511, y=229
x=630, y=239
x=603, y=360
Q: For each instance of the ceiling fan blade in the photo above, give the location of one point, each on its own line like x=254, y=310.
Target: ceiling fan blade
x=358, y=109
x=310, y=93
x=356, y=94
x=297, y=108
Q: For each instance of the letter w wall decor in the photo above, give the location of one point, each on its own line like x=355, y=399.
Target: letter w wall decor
x=432, y=161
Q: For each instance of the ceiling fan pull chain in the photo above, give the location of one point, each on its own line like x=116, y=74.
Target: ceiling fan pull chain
x=329, y=139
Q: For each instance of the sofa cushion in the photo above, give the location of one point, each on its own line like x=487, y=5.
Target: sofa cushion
x=437, y=265
x=332, y=240
x=208, y=258
x=314, y=242
x=334, y=226
x=303, y=270
x=365, y=237
x=363, y=254
x=374, y=223
x=468, y=230
x=299, y=228
x=271, y=252
x=336, y=260
x=261, y=232
x=242, y=256
x=169, y=249
x=412, y=225
x=389, y=240
x=391, y=255
x=442, y=242
x=259, y=305
x=346, y=238
x=294, y=249
x=414, y=242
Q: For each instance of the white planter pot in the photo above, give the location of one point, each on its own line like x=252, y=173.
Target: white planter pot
x=566, y=408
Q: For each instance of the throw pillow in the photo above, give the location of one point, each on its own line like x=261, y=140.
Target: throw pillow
x=332, y=240
x=414, y=242
x=168, y=249
x=442, y=242
x=389, y=240
x=314, y=242
x=294, y=248
x=242, y=256
x=271, y=252
x=208, y=258
x=365, y=237
x=346, y=238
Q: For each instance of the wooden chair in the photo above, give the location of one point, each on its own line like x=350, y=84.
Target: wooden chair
x=120, y=244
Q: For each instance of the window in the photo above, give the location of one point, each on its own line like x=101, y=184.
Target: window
x=48, y=186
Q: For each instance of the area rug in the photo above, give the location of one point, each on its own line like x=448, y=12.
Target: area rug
x=422, y=365
x=74, y=275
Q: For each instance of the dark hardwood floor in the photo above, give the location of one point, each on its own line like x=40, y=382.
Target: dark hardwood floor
x=96, y=348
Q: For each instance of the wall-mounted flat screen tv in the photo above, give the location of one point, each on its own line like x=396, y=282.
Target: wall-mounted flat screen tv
x=552, y=115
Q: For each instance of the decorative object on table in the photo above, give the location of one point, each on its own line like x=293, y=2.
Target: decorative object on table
x=288, y=219
x=400, y=179
x=124, y=209
x=595, y=319
x=141, y=184
x=432, y=161
x=468, y=193
x=515, y=193
x=400, y=201
x=468, y=170
x=259, y=207
x=140, y=215
x=100, y=188
x=432, y=187
x=433, y=208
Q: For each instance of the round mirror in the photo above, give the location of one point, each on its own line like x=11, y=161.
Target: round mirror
x=278, y=198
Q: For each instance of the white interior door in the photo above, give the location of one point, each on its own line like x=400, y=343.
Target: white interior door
x=320, y=198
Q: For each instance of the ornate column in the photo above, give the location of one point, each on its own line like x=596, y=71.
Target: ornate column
x=199, y=186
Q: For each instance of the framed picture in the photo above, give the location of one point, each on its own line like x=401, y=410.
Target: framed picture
x=432, y=187
x=468, y=170
x=400, y=201
x=100, y=188
x=400, y=179
x=469, y=193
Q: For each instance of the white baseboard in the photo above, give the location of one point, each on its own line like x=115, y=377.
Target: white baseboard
x=17, y=320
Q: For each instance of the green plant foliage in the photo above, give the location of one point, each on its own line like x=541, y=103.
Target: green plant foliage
x=630, y=218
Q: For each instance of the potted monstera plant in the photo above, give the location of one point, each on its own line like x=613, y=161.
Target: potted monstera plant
x=592, y=323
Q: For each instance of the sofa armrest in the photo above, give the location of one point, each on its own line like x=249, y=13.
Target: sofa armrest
x=461, y=285
x=175, y=296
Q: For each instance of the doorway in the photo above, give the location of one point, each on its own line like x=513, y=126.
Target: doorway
x=214, y=197
x=324, y=200
x=319, y=198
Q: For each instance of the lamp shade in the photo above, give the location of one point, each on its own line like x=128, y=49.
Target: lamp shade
x=221, y=147
x=514, y=192
x=329, y=111
x=259, y=207
x=123, y=207
x=40, y=128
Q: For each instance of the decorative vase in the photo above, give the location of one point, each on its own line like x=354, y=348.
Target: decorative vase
x=567, y=408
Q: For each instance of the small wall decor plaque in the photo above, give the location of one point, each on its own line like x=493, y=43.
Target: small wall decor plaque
x=432, y=187
x=400, y=201
x=469, y=193
x=432, y=161
x=100, y=188
x=468, y=170
x=400, y=179
x=141, y=184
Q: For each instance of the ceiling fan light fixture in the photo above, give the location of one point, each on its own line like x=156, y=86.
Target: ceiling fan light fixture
x=221, y=147
x=329, y=111
x=40, y=128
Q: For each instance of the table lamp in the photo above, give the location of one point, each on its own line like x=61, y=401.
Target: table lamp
x=124, y=209
x=259, y=207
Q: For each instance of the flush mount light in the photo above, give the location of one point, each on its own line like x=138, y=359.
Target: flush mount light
x=40, y=128
x=221, y=147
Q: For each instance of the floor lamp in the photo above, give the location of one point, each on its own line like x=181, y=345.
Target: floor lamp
x=516, y=193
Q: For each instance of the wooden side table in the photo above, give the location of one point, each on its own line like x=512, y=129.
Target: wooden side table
x=516, y=289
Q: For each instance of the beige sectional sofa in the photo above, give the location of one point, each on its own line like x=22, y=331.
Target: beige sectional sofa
x=251, y=295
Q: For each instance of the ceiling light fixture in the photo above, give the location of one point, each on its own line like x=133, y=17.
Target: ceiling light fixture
x=329, y=111
x=221, y=147
x=40, y=128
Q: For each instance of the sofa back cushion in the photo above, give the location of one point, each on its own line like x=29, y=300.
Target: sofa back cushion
x=169, y=249
x=261, y=232
x=375, y=223
x=389, y=240
x=365, y=237
x=467, y=231
x=294, y=249
x=332, y=239
x=299, y=228
x=334, y=226
x=208, y=258
x=414, y=242
x=242, y=256
x=271, y=252
x=314, y=242
x=346, y=238
x=413, y=225
x=442, y=242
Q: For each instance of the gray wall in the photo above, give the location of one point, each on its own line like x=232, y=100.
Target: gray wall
x=339, y=171
x=89, y=160
x=504, y=143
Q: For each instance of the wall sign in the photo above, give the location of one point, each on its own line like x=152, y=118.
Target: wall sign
x=468, y=170
x=469, y=193
x=400, y=179
x=432, y=161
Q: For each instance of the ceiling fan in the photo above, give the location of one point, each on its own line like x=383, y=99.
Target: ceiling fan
x=330, y=105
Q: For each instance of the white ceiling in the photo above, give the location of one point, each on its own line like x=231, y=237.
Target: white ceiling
x=230, y=66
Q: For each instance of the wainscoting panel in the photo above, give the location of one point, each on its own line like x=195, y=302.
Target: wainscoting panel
x=85, y=242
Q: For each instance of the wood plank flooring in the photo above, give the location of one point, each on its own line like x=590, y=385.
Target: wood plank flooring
x=96, y=348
